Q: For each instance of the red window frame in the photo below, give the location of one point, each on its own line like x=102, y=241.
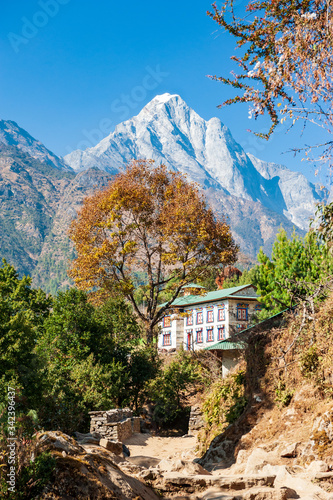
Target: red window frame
x=210, y=316
x=167, y=339
x=199, y=314
x=210, y=335
x=167, y=322
x=221, y=333
x=189, y=320
x=221, y=314
x=242, y=313
x=199, y=336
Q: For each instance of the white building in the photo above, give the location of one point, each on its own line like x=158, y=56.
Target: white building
x=199, y=320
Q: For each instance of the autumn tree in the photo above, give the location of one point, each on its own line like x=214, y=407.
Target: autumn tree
x=285, y=66
x=152, y=222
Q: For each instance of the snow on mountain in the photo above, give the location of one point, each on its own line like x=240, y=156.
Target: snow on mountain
x=300, y=196
x=168, y=131
x=13, y=135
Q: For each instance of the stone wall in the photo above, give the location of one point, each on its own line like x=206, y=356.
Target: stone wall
x=196, y=421
x=116, y=424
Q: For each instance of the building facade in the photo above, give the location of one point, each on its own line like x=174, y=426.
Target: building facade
x=199, y=320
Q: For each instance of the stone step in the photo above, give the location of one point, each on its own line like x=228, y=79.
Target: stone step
x=172, y=479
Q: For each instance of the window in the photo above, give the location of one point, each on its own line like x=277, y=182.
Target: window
x=220, y=331
x=199, y=337
x=210, y=316
x=239, y=328
x=189, y=320
x=167, y=339
x=167, y=322
x=210, y=335
x=221, y=315
x=199, y=318
x=242, y=311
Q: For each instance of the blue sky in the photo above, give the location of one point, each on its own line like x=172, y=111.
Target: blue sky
x=72, y=69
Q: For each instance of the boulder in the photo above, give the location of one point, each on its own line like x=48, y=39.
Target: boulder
x=80, y=435
x=317, y=466
x=186, y=467
x=289, y=451
x=58, y=441
x=257, y=460
x=322, y=429
x=126, y=451
x=115, y=447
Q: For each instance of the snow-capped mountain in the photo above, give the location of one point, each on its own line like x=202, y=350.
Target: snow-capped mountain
x=13, y=135
x=170, y=132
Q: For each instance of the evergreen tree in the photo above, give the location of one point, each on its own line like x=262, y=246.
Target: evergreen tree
x=294, y=262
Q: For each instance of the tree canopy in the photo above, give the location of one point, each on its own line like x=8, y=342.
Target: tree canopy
x=295, y=264
x=286, y=65
x=153, y=221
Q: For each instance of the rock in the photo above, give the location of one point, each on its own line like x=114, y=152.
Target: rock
x=259, y=493
x=80, y=435
x=126, y=451
x=88, y=440
x=322, y=433
x=242, y=456
x=171, y=479
x=56, y=440
x=90, y=473
x=147, y=474
x=257, y=398
x=257, y=460
x=115, y=447
x=144, y=461
x=317, y=466
x=287, y=493
x=184, y=466
x=289, y=451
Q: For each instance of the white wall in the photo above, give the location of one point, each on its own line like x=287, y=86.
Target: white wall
x=205, y=324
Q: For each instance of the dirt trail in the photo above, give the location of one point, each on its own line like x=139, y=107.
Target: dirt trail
x=157, y=448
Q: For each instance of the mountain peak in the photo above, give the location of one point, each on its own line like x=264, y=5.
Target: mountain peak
x=168, y=131
x=162, y=98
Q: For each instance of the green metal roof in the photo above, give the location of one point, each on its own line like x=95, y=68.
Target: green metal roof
x=226, y=345
x=192, y=285
x=213, y=296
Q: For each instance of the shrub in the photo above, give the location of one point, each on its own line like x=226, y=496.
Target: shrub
x=223, y=405
x=168, y=390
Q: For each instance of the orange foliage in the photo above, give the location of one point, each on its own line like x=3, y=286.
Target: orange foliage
x=227, y=273
x=153, y=221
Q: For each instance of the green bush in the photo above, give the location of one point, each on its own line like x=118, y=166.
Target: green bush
x=283, y=394
x=168, y=390
x=226, y=401
x=309, y=362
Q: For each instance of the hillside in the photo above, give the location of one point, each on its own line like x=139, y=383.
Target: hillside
x=30, y=193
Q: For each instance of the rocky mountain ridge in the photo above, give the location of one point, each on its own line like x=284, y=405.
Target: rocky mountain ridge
x=40, y=193
x=11, y=134
x=170, y=132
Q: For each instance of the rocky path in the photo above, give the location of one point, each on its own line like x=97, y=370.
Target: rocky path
x=166, y=468
x=169, y=466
